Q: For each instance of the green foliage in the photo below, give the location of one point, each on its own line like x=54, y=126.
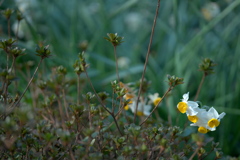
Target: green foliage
x=43, y=51
x=174, y=81
x=114, y=39
x=207, y=66
x=7, y=13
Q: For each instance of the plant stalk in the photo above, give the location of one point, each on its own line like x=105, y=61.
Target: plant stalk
x=14, y=105
x=115, y=54
x=112, y=114
x=200, y=87
x=17, y=30
x=78, y=90
x=169, y=89
x=146, y=61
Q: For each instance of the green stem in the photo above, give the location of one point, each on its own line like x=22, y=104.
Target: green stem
x=89, y=115
x=65, y=103
x=115, y=55
x=146, y=61
x=78, y=89
x=13, y=63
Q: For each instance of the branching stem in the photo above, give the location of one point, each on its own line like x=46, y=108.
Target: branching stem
x=112, y=114
x=169, y=89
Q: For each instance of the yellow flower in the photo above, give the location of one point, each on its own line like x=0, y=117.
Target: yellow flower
x=202, y=130
x=188, y=107
x=155, y=99
x=193, y=119
x=128, y=97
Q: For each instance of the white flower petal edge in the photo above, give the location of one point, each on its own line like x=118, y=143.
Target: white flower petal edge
x=212, y=113
x=185, y=97
x=152, y=97
x=192, y=108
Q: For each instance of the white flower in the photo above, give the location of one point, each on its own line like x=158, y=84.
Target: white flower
x=129, y=97
x=188, y=107
x=143, y=109
x=154, y=98
x=123, y=62
x=210, y=10
x=208, y=120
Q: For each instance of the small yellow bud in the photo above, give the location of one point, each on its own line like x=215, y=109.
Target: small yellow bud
x=156, y=101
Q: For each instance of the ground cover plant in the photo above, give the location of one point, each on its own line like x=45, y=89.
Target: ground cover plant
x=54, y=105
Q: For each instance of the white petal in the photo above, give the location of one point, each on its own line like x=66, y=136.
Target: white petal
x=191, y=111
x=147, y=108
x=185, y=97
x=213, y=113
x=154, y=96
x=133, y=106
x=193, y=124
x=221, y=115
x=211, y=129
x=192, y=104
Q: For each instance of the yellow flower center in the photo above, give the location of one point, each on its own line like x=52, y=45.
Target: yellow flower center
x=139, y=113
x=182, y=107
x=193, y=119
x=156, y=101
x=202, y=130
x=122, y=85
x=130, y=102
x=213, y=122
x=129, y=96
x=126, y=107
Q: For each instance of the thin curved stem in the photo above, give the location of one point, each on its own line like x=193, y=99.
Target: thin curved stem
x=115, y=55
x=9, y=30
x=17, y=30
x=27, y=85
x=169, y=89
x=200, y=87
x=112, y=114
x=146, y=61
x=192, y=156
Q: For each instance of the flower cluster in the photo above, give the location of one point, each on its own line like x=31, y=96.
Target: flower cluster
x=144, y=106
x=206, y=120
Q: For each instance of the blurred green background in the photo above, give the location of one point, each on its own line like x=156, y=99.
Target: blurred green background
x=186, y=32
